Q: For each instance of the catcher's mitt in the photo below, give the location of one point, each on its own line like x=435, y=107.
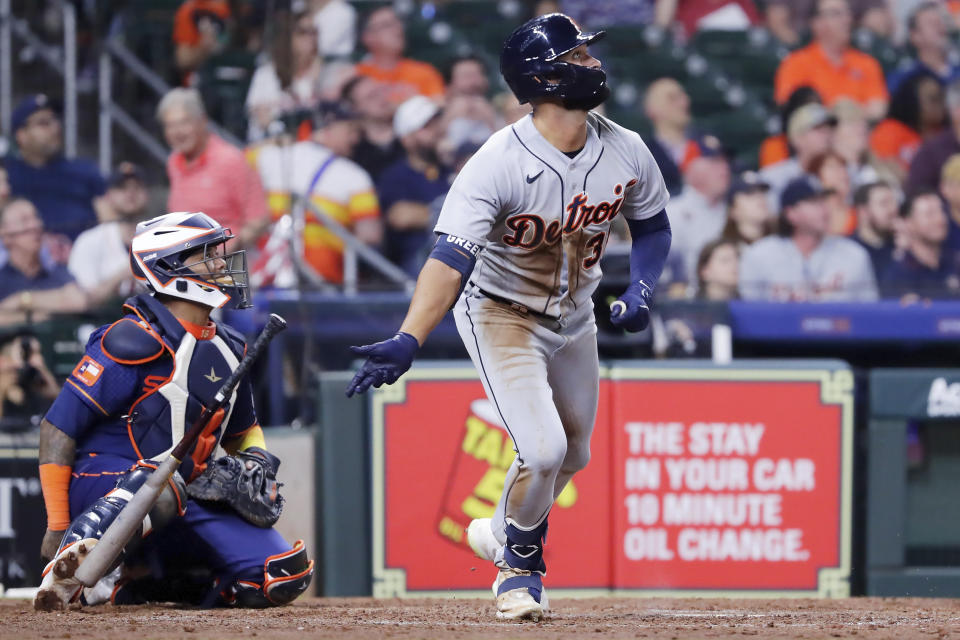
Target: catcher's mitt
x=247, y=482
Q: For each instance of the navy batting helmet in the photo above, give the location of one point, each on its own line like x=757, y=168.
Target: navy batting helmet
x=529, y=63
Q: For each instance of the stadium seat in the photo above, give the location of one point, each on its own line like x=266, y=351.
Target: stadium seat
x=224, y=81
x=882, y=50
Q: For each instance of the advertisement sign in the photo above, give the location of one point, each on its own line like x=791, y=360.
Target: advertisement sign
x=700, y=481
x=440, y=459
x=729, y=484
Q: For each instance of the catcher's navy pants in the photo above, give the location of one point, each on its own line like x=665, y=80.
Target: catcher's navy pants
x=217, y=539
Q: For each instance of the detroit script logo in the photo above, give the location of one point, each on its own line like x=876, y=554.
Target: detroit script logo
x=530, y=231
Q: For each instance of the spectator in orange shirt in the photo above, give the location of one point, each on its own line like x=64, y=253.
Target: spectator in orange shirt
x=777, y=148
x=200, y=30
x=384, y=39
x=831, y=66
x=917, y=111
x=206, y=172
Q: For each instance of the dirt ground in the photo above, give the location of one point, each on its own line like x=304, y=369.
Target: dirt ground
x=357, y=618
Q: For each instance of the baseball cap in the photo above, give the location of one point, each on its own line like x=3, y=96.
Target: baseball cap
x=328, y=112
x=29, y=106
x=125, y=171
x=413, y=114
x=807, y=117
x=746, y=182
x=800, y=189
x=710, y=147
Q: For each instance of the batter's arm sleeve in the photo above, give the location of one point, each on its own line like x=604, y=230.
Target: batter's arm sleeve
x=650, y=245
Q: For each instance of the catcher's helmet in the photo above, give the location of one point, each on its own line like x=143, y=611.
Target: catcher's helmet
x=162, y=256
x=529, y=63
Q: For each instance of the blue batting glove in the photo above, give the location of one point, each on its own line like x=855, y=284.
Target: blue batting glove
x=631, y=311
x=386, y=362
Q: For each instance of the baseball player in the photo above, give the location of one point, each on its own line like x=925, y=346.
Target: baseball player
x=142, y=381
x=520, y=238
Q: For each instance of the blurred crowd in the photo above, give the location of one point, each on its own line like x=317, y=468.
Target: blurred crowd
x=351, y=143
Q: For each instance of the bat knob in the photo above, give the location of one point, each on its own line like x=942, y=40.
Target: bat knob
x=277, y=322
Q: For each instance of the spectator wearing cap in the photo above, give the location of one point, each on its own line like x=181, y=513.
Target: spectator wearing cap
x=336, y=23
x=66, y=192
x=927, y=268
x=776, y=148
x=699, y=213
x=384, y=39
x=100, y=258
x=338, y=188
x=378, y=147
x=673, y=147
x=409, y=188
x=748, y=210
x=207, y=173
x=810, y=132
x=950, y=190
x=831, y=66
x=27, y=284
x=876, y=205
x=917, y=112
x=933, y=153
x=928, y=35
x=851, y=140
x=806, y=262
x=294, y=79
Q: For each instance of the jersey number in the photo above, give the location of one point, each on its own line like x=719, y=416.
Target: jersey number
x=595, y=244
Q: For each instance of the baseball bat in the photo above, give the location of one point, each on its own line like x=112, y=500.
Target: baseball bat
x=118, y=534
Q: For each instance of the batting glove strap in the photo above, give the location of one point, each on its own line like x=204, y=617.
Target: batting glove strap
x=386, y=362
x=633, y=314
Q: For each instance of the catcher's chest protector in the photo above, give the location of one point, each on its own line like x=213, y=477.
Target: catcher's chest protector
x=187, y=377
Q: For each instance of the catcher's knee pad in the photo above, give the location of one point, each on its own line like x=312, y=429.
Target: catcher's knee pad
x=285, y=577
x=97, y=518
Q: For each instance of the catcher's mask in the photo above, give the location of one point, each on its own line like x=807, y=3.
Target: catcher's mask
x=184, y=255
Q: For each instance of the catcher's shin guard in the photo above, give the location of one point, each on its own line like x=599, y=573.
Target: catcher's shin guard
x=285, y=577
x=93, y=522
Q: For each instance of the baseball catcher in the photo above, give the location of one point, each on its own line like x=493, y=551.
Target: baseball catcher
x=141, y=382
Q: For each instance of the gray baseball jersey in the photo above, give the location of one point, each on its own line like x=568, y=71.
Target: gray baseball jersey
x=543, y=218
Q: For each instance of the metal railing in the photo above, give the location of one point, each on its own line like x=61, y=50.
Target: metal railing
x=115, y=51
x=62, y=61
